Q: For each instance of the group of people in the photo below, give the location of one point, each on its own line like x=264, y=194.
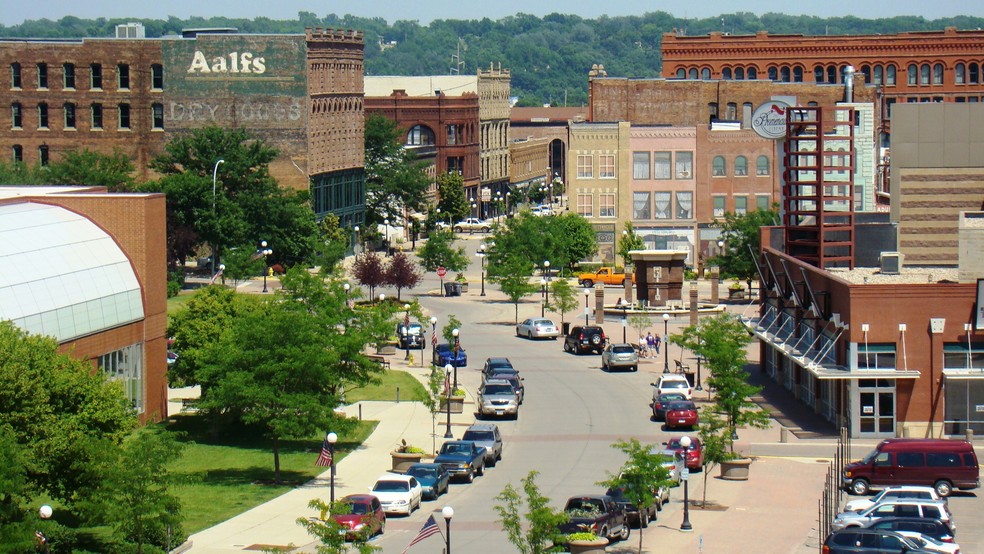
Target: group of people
x=649, y=345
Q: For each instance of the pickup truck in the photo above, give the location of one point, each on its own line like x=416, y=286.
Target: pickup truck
x=471, y=225
x=599, y=514
x=462, y=459
x=604, y=275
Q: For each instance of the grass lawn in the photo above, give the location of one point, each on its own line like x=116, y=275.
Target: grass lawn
x=410, y=388
x=219, y=477
x=177, y=303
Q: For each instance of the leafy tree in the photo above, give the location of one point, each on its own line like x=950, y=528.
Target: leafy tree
x=86, y=167
x=451, y=196
x=742, y=237
x=641, y=476
x=330, y=533
x=15, y=532
x=538, y=532
x=447, y=332
x=439, y=251
x=715, y=439
x=513, y=277
x=396, y=182
x=629, y=241
x=580, y=242
x=564, y=240
x=334, y=243
x=243, y=262
x=368, y=270
x=402, y=273
x=19, y=173
x=564, y=297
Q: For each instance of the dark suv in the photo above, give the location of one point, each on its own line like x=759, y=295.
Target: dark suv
x=873, y=541
x=585, y=338
x=926, y=526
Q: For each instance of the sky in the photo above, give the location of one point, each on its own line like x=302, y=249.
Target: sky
x=13, y=12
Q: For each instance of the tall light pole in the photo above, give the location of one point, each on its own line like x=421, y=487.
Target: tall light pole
x=447, y=382
x=448, y=513
x=543, y=291
x=215, y=174
x=666, y=344
x=386, y=237
x=457, y=347
x=355, y=247
x=587, y=310
x=546, y=288
x=406, y=331
x=264, y=251
x=45, y=513
x=481, y=254
x=433, y=337
x=332, y=439
x=346, y=287
x=685, y=526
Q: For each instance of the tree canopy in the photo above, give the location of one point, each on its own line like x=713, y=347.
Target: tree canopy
x=742, y=235
x=563, y=240
x=396, y=182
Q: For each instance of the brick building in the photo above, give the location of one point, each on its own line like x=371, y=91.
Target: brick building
x=547, y=122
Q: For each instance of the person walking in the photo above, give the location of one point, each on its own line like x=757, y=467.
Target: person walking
x=643, y=347
x=656, y=343
x=651, y=344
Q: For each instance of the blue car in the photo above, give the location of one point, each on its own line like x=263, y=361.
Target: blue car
x=433, y=479
x=444, y=355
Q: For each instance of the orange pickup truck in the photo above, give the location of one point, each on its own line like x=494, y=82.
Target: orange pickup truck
x=606, y=275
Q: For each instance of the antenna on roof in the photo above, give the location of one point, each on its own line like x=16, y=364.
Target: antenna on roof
x=455, y=69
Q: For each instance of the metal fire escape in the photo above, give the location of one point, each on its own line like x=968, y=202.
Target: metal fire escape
x=818, y=188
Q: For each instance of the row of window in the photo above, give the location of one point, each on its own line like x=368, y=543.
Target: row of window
x=719, y=166
x=662, y=165
x=17, y=152
x=606, y=166
x=762, y=202
x=878, y=74
x=123, y=80
x=646, y=205
x=69, y=113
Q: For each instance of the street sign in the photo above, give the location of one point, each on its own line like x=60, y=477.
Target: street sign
x=685, y=474
x=441, y=272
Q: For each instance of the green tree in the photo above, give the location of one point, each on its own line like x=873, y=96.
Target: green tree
x=243, y=262
x=439, y=251
x=86, y=167
x=513, y=277
x=535, y=531
x=715, y=440
x=451, y=198
x=564, y=297
x=628, y=242
x=396, y=182
x=641, y=476
x=580, y=242
x=742, y=236
x=447, y=332
x=330, y=533
x=15, y=532
x=334, y=243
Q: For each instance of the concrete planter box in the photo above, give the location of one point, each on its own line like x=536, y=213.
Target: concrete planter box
x=464, y=286
x=736, y=294
x=735, y=470
x=596, y=546
x=457, y=404
x=386, y=349
x=403, y=460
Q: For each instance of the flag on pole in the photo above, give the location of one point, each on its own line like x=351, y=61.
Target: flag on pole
x=324, y=459
x=434, y=338
x=216, y=276
x=430, y=528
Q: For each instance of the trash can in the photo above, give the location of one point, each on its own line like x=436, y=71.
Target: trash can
x=566, y=328
x=690, y=378
x=452, y=289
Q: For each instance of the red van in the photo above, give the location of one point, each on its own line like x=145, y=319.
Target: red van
x=941, y=464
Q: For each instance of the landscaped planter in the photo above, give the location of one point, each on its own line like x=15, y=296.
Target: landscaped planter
x=596, y=546
x=403, y=460
x=736, y=294
x=457, y=404
x=735, y=470
x=464, y=286
x=386, y=349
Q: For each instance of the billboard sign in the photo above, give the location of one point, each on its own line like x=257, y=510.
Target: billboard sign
x=769, y=120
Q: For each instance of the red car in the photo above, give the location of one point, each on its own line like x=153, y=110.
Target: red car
x=682, y=413
x=365, y=518
x=695, y=456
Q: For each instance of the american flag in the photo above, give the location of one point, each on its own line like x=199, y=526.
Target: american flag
x=434, y=338
x=430, y=528
x=324, y=459
x=216, y=276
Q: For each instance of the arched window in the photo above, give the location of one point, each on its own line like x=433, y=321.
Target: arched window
x=420, y=135
x=693, y=73
x=681, y=73
x=712, y=110
x=773, y=74
x=726, y=73
x=890, y=75
x=959, y=74
x=798, y=74
x=924, y=74
x=973, y=75
x=739, y=73
x=784, y=74
x=832, y=74
x=752, y=73
x=705, y=74
x=913, y=72
x=866, y=71
x=938, y=74
x=741, y=166
x=818, y=74
x=732, y=113
x=762, y=165
x=718, y=167
x=879, y=75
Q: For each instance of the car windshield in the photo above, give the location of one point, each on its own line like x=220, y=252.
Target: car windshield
x=478, y=436
x=456, y=449
x=498, y=389
x=674, y=385
x=677, y=406
x=358, y=508
x=623, y=349
x=422, y=472
x=543, y=323
x=391, y=486
x=671, y=397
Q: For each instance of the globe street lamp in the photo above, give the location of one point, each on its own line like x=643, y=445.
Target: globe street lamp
x=386, y=237
x=264, y=251
x=448, y=513
x=587, y=293
x=447, y=385
x=666, y=343
x=457, y=347
x=406, y=331
x=382, y=296
x=355, y=247
x=332, y=439
x=543, y=290
x=215, y=173
x=45, y=513
x=433, y=337
x=685, y=477
x=346, y=287
x=481, y=254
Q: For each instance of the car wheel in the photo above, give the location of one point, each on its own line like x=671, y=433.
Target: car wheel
x=498, y=456
x=529, y=335
x=567, y=346
x=457, y=229
x=624, y=535
x=470, y=477
x=644, y=519
x=480, y=471
x=587, y=283
x=859, y=487
x=635, y=368
x=518, y=334
x=491, y=463
x=943, y=488
x=485, y=229
x=382, y=527
x=603, y=532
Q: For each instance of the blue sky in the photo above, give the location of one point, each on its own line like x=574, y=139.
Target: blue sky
x=16, y=11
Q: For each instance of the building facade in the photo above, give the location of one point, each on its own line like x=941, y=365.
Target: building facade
x=493, y=117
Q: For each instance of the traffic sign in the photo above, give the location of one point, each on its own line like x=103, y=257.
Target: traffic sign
x=685, y=474
x=441, y=272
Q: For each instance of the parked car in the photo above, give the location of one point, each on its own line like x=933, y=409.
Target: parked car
x=680, y=414
x=365, y=516
x=606, y=275
x=498, y=397
x=486, y=435
x=172, y=357
x=399, y=494
x=619, y=356
x=672, y=382
x=413, y=338
x=927, y=527
x=694, y=454
x=599, y=514
x=585, y=338
x=941, y=464
x=900, y=491
x=871, y=541
x=929, y=543
x=517, y=383
x=472, y=224
x=897, y=507
x=495, y=363
x=463, y=459
x=660, y=402
x=636, y=517
x=673, y=462
x=444, y=354
x=433, y=479
x=538, y=328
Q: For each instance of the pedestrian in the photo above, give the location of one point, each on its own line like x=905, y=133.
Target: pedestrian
x=643, y=346
x=651, y=344
x=656, y=343
x=619, y=303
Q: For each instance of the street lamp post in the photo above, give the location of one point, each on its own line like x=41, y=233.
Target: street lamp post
x=406, y=331
x=543, y=290
x=625, y=318
x=386, y=237
x=264, y=251
x=346, y=287
x=382, y=297
x=433, y=337
x=447, y=382
x=685, y=526
x=215, y=174
x=457, y=346
x=332, y=439
x=355, y=247
x=587, y=310
x=481, y=254
x=45, y=513
x=546, y=286
x=666, y=343
x=448, y=513
x=699, y=358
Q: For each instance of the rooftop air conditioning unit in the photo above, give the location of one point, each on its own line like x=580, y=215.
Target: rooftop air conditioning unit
x=891, y=263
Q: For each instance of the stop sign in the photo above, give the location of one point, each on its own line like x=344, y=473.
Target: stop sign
x=441, y=272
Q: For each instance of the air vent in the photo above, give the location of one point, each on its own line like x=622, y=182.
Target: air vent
x=891, y=263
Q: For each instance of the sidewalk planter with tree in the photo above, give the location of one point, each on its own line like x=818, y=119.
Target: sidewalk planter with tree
x=405, y=456
x=587, y=543
x=640, y=478
x=736, y=291
x=563, y=298
x=538, y=533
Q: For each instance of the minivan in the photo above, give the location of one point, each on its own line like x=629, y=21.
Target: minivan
x=896, y=507
x=939, y=463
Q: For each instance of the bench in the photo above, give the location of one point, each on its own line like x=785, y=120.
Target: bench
x=379, y=360
x=681, y=367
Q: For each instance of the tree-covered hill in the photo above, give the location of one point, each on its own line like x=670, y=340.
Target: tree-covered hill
x=549, y=57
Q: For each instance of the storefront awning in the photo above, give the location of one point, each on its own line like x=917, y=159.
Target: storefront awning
x=963, y=374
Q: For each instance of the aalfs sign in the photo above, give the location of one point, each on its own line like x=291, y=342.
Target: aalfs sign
x=769, y=120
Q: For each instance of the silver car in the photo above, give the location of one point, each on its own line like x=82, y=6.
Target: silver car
x=620, y=356
x=895, y=507
x=538, y=328
x=497, y=397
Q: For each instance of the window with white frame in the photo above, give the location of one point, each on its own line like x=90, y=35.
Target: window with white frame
x=741, y=166
x=606, y=204
x=606, y=166
x=684, y=165
x=663, y=205
x=741, y=205
x=762, y=165
x=585, y=204
x=876, y=356
x=685, y=205
x=640, y=165
x=719, y=206
x=641, y=205
x=584, y=166
x=718, y=168
x=662, y=164
x=126, y=365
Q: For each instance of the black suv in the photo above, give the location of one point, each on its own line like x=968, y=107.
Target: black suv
x=413, y=338
x=585, y=338
x=855, y=540
x=926, y=526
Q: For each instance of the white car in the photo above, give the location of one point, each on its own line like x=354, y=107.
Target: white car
x=399, y=494
x=671, y=382
x=538, y=328
x=930, y=544
x=902, y=491
x=472, y=224
x=542, y=210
